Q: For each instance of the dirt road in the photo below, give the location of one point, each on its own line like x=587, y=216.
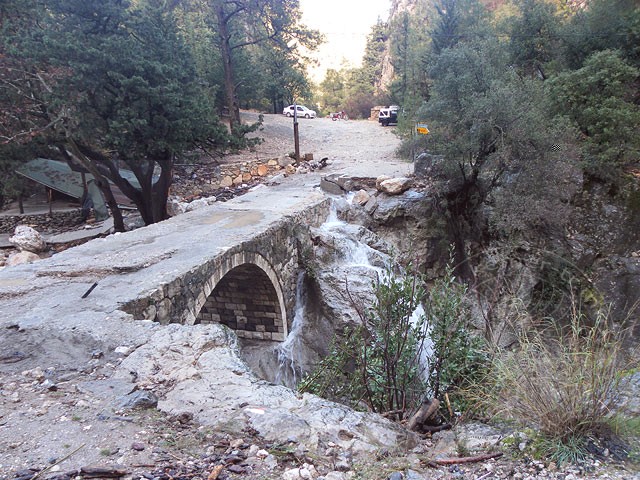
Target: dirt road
x=355, y=147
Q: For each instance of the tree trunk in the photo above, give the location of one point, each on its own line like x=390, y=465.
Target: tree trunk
x=227, y=66
x=101, y=182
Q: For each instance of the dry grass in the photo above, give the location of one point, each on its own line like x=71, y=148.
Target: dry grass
x=565, y=381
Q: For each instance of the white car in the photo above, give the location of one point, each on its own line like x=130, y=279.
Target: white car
x=301, y=109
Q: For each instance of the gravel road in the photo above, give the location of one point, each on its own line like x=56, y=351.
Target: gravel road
x=355, y=147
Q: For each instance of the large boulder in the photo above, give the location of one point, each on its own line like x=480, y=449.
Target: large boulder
x=285, y=161
x=28, y=239
x=219, y=391
x=19, y=258
x=336, y=184
x=427, y=165
x=395, y=186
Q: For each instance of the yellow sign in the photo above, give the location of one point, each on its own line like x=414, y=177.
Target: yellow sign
x=422, y=128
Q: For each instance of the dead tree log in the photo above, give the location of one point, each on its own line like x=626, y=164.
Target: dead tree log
x=459, y=460
x=426, y=415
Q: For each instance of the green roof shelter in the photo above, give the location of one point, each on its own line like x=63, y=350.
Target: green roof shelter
x=60, y=177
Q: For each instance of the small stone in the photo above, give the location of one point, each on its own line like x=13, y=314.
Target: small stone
x=285, y=161
x=138, y=399
x=49, y=385
x=28, y=239
x=271, y=462
x=291, y=474
x=342, y=464
x=137, y=446
x=262, y=454
x=237, y=443
x=226, y=182
x=395, y=186
x=396, y=476
x=123, y=350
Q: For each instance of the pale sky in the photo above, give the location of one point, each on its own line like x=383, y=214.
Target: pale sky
x=345, y=24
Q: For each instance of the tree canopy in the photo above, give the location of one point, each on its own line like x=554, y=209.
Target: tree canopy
x=138, y=84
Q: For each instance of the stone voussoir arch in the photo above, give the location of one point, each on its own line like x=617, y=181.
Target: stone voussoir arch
x=210, y=308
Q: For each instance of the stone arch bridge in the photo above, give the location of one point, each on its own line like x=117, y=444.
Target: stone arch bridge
x=234, y=263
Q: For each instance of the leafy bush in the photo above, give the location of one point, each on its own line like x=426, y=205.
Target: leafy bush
x=458, y=358
x=402, y=353
x=377, y=362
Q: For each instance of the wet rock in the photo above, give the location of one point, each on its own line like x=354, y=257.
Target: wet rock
x=336, y=184
x=27, y=239
x=361, y=197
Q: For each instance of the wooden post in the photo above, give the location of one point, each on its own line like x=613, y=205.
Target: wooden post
x=296, y=137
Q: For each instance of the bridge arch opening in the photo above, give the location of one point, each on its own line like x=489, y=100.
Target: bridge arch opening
x=246, y=297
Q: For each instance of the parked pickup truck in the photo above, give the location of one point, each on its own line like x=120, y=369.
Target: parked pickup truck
x=388, y=115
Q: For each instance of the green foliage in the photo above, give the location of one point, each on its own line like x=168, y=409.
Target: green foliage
x=457, y=358
x=533, y=35
x=333, y=91
x=599, y=98
x=378, y=363
x=605, y=25
x=401, y=355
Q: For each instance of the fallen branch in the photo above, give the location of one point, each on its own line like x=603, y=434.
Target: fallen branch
x=102, y=472
x=46, y=469
x=436, y=428
x=459, y=460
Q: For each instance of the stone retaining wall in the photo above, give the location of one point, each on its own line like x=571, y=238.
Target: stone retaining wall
x=45, y=222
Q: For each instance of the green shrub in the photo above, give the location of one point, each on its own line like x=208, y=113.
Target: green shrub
x=458, y=358
x=398, y=356
x=377, y=363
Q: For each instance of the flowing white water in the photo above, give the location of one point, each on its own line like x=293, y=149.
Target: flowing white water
x=354, y=252
x=288, y=352
x=355, y=259
x=425, y=345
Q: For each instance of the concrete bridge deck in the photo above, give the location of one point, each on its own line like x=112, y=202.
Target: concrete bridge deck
x=166, y=272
